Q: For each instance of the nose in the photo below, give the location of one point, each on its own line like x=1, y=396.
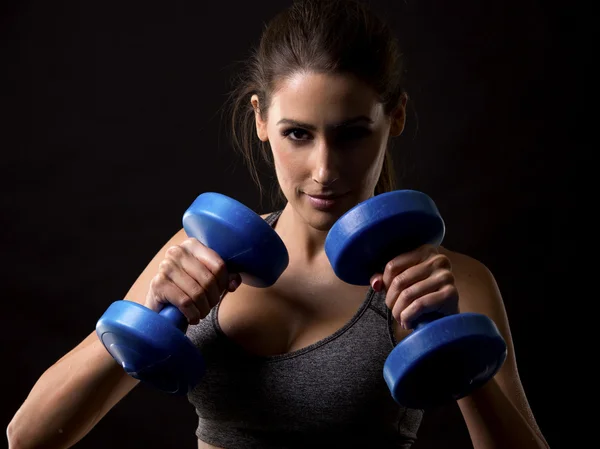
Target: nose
x=325, y=165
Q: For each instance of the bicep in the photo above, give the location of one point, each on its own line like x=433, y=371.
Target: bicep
x=479, y=293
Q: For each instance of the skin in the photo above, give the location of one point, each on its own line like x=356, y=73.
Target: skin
x=316, y=159
x=308, y=302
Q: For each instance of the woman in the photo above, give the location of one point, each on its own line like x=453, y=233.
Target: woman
x=299, y=364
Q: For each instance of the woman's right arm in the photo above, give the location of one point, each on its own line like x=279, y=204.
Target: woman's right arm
x=71, y=397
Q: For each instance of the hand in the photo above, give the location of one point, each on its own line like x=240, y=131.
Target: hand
x=418, y=282
x=193, y=278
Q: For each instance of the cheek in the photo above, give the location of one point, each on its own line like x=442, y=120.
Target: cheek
x=288, y=166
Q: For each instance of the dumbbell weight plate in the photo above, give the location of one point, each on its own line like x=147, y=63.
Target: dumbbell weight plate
x=445, y=357
x=153, y=346
x=444, y=360
x=372, y=233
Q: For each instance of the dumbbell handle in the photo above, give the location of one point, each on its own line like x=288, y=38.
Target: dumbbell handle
x=175, y=317
x=427, y=318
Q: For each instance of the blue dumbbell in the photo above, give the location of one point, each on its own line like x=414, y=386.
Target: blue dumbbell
x=153, y=347
x=445, y=358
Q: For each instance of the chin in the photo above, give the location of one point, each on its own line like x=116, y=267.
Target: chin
x=323, y=220
x=323, y=224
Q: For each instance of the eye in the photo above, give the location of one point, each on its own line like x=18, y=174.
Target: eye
x=292, y=131
x=354, y=133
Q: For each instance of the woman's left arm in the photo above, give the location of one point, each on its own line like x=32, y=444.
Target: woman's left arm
x=498, y=414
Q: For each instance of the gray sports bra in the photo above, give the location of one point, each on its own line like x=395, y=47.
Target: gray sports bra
x=330, y=394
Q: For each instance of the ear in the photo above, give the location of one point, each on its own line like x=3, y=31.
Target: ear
x=398, y=117
x=261, y=126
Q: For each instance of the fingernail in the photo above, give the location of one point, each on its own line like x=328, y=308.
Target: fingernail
x=377, y=285
x=234, y=284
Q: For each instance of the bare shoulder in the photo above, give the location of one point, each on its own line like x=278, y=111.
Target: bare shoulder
x=475, y=282
x=478, y=290
x=465, y=264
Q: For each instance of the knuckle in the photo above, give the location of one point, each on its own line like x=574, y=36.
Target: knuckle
x=160, y=279
x=416, y=305
x=450, y=290
x=446, y=276
x=197, y=291
x=390, y=266
x=446, y=262
x=218, y=265
x=399, y=281
x=165, y=266
x=205, y=277
x=174, y=252
x=440, y=261
x=187, y=242
x=185, y=302
x=406, y=295
x=191, y=244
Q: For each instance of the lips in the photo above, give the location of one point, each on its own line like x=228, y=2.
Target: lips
x=324, y=202
x=329, y=196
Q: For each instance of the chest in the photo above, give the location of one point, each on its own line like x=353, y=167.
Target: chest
x=306, y=356
x=299, y=310
x=334, y=382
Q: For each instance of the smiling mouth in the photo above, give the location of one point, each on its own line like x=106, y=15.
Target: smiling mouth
x=324, y=202
x=329, y=196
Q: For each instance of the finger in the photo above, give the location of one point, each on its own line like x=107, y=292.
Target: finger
x=165, y=291
x=213, y=284
x=210, y=259
x=377, y=282
x=440, y=261
x=200, y=283
x=445, y=299
x=235, y=281
x=197, y=292
x=404, y=280
x=404, y=261
x=414, y=274
x=416, y=291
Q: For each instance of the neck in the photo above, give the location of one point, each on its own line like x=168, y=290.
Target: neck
x=305, y=242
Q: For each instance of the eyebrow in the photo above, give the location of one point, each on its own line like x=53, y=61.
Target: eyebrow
x=352, y=121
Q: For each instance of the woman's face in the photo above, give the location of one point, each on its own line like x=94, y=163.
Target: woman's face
x=328, y=135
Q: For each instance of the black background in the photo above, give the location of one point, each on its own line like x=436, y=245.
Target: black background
x=111, y=127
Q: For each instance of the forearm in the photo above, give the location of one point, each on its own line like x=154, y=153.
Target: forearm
x=68, y=400
x=494, y=422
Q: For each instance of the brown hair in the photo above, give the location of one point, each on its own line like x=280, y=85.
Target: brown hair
x=318, y=36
